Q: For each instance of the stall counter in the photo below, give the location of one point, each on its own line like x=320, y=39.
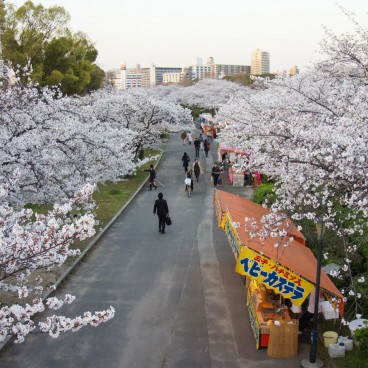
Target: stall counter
x=263, y=310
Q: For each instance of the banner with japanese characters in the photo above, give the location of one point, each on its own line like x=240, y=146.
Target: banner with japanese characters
x=232, y=235
x=273, y=276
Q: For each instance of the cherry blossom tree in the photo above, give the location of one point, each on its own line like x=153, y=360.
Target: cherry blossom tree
x=30, y=242
x=58, y=144
x=207, y=93
x=144, y=111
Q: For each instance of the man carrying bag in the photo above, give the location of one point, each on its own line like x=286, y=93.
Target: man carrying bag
x=162, y=210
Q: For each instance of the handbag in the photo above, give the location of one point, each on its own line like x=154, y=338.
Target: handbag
x=188, y=181
x=168, y=221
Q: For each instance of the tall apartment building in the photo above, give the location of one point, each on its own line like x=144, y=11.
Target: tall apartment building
x=153, y=76
x=260, y=63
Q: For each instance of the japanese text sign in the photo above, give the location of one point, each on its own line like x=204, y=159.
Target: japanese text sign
x=232, y=235
x=273, y=276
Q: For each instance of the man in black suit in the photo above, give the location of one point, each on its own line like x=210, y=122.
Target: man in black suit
x=162, y=211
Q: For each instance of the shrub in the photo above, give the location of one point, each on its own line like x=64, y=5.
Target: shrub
x=263, y=192
x=361, y=336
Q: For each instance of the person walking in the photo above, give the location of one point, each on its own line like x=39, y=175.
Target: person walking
x=152, y=177
x=183, y=137
x=190, y=138
x=162, y=210
x=197, y=145
x=215, y=173
x=185, y=160
x=206, y=145
x=197, y=169
x=189, y=175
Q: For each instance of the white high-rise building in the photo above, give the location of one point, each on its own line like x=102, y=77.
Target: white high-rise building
x=260, y=63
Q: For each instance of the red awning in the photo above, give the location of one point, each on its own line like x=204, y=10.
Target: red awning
x=296, y=256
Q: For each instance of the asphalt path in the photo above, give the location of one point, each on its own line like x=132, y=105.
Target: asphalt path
x=178, y=301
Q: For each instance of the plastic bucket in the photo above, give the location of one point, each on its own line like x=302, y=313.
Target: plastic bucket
x=330, y=337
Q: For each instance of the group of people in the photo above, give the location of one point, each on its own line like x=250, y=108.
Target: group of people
x=191, y=173
x=195, y=170
x=186, y=137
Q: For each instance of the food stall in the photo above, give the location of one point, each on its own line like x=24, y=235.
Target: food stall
x=208, y=124
x=276, y=277
x=237, y=160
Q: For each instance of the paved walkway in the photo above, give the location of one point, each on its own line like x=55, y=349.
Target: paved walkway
x=178, y=301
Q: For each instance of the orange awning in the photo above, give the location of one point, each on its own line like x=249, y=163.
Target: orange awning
x=296, y=256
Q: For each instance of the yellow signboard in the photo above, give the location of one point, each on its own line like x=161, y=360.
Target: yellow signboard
x=219, y=215
x=273, y=276
x=232, y=235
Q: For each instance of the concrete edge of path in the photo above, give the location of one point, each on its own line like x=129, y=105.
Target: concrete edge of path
x=63, y=276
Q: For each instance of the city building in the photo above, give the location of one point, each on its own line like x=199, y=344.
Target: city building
x=221, y=70
x=212, y=70
x=153, y=76
x=115, y=80
x=200, y=71
x=294, y=70
x=130, y=78
x=260, y=63
x=171, y=78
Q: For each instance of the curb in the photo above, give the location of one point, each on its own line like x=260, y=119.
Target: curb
x=63, y=276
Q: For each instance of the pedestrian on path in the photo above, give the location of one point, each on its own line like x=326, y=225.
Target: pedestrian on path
x=162, y=210
x=216, y=171
x=152, y=177
x=197, y=169
x=190, y=138
x=185, y=159
x=206, y=145
x=184, y=137
x=197, y=145
x=189, y=175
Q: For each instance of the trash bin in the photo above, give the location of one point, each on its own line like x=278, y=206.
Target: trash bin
x=330, y=337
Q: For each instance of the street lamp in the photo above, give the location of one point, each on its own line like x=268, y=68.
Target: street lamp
x=313, y=362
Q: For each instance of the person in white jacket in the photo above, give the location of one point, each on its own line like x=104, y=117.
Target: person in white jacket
x=190, y=138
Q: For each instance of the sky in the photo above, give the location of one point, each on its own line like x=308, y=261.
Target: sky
x=176, y=33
